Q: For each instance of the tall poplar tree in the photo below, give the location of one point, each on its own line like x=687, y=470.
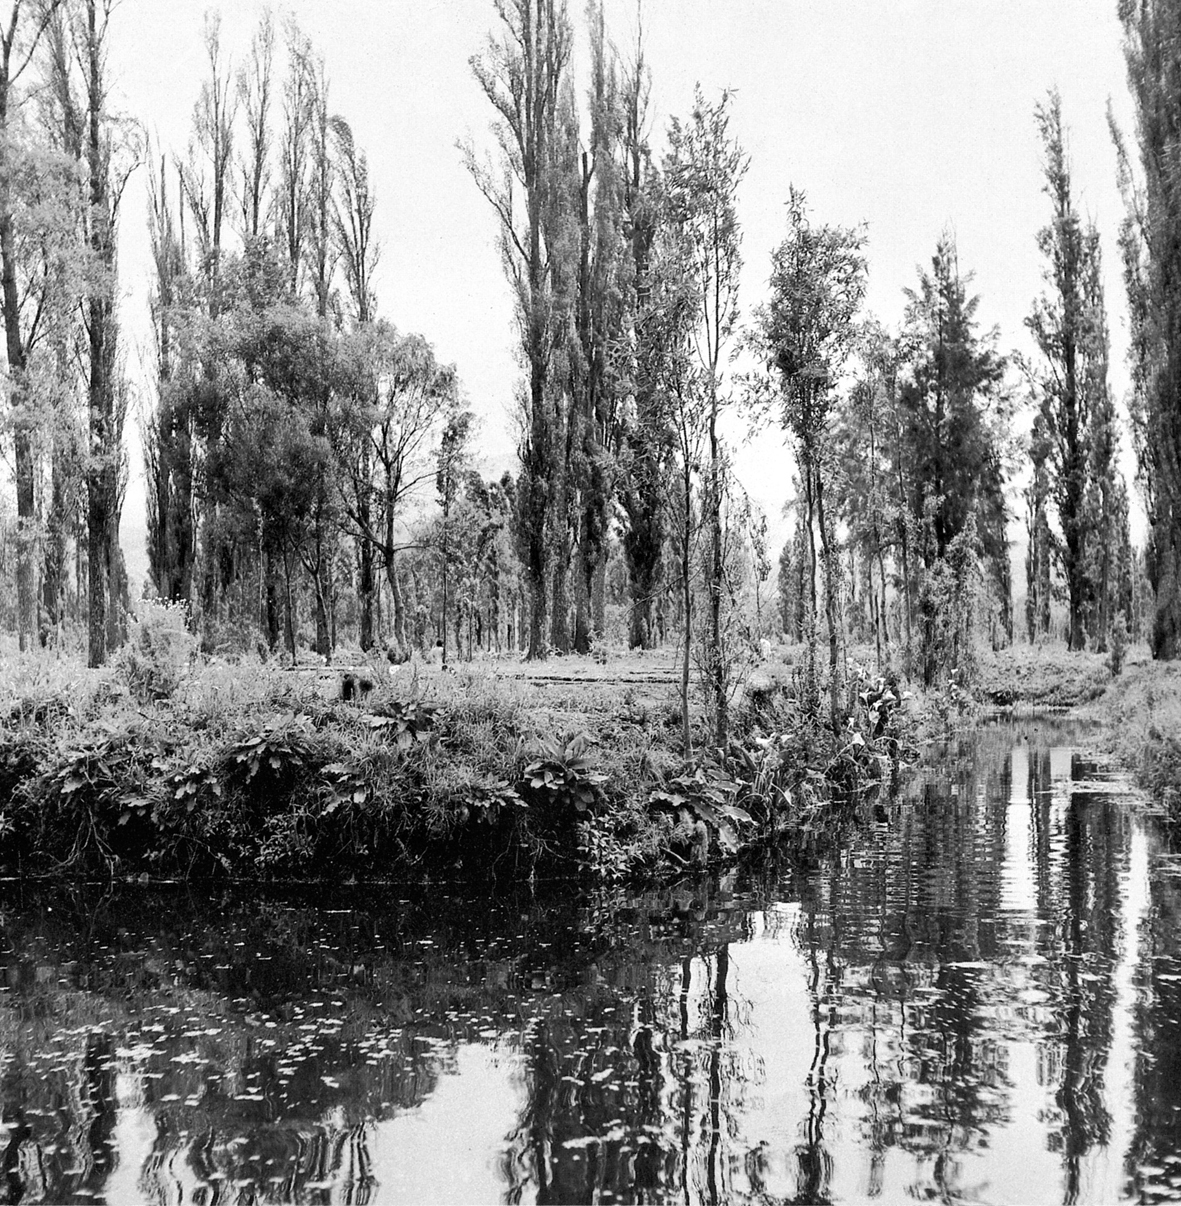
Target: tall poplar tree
x=452, y=469
x=105, y=162
x=599, y=318
x=955, y=428
x=1069, y=326
x=522, y=73
x=359, y=251
x=866, y=504
x=806, y=332
x=19, y=38
x=645, y=444
x=169, y=437
x=703, y=170
x=255, y=87
x=1039, y=554
x=1151, y=245
x=1105, y=503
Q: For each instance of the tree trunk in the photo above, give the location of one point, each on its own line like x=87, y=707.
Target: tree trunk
x=106, y=621
x=118, y=601
x=906, y=588
x=271, y=601
x=599, y=597
x=883, y=610
x=15, y=350
x=560, y=609
x=536, y=645
x=714, y=655
x=54, y=573
x=560, y=556
x=366, y=571
x=1102, y=623
x=1074, y=558
x=289, y=605
x=494, y=600
x=96, y=521
x=445, y=586
x=687, y=604
x=321, y=586
x=810, y=618
x=365, y=591
x=830, y=606
x=583, y=574
x=639, y=633
x=26, y=528
x=1166, y=581
x=391, y=576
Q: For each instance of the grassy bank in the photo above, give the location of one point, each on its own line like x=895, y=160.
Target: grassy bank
x=1139, y=716
x=163, y=768
x=1040, y=676
x=1136, y=714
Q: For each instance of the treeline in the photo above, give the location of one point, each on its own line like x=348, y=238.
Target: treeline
x=308, y=463
x=64, y=163
x=625, y=264
x=296, y=430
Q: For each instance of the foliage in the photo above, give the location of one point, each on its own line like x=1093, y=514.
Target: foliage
x=561, y=770
x=805, y=334
x=1074, y=435
x=955, y=415
x=1040, y=676
x=1118, y=647
x=404, y=722
x=523, y=75
x=703, y=170
x=705, y=795
x=1150, y=242
x=258, y=774
x=1138, y=718
x=277, y=752
x=159, y=650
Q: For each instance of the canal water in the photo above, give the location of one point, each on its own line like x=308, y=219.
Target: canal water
x=978, y=1000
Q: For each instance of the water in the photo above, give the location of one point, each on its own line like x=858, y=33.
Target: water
x=979, y=1001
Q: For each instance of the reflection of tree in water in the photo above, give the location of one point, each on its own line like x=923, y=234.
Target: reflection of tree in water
x=622, y=1016
x=890, y=939
x=633, y=1082
x=1153, y=1163
x=80, y=1104
x=814, y=1161
x=96, y=1108
x=1079, y=850
x=207, y=1072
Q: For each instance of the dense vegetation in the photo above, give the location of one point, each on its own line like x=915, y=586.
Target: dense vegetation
x=312, y=478
x=251, y=771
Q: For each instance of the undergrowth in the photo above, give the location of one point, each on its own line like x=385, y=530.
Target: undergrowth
x=154, y=767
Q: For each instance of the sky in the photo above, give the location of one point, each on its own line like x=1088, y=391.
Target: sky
x=914, y=117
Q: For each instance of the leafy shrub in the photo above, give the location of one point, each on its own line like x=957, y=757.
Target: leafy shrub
x=560, y=770
x=704, y=797
x=406, y=724
x=158, y=652
x=91, y=800
x=278, y=752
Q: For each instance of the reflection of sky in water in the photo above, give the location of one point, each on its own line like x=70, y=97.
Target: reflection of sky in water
x=446, y=1150
x=1018, y=882
x=974, y=1002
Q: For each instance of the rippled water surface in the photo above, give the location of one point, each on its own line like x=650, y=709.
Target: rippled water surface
x=979, y=1001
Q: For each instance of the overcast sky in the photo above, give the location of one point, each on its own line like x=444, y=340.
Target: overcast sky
x=912, y=116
